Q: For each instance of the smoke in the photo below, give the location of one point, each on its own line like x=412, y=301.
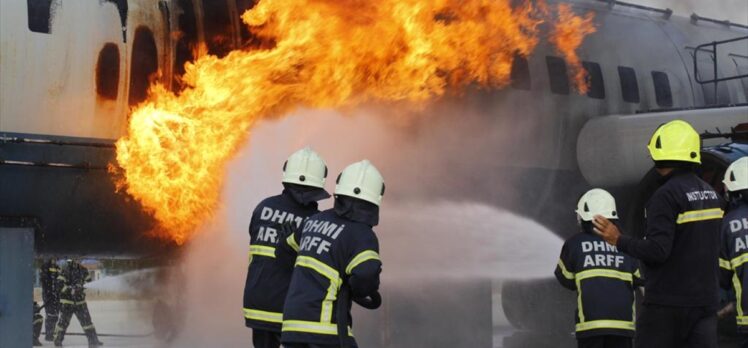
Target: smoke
x=734, y=10
x=430, y=236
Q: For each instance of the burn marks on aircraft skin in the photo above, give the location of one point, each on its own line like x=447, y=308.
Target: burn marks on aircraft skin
x=144, y=64
x=41, y=15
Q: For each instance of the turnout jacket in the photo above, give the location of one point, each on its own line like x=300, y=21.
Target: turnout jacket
x=680, y=249
x=733, y=258
x=49, y=273
x=267, y=281
x=73, y=280
x=335, y=253
x=604, y=279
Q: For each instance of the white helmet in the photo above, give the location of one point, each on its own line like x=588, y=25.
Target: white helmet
x=361, y=180
x=305, y=167
x=736, y=175
x=596, y=202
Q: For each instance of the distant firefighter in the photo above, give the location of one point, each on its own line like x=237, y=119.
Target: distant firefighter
x=734, y=255
x=38, y=320
x=605, y=312
x=336, y=258
x=49, y=273
x=73, y=301
x=304, y=176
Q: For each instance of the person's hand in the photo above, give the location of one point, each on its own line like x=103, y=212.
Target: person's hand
x=606, y=229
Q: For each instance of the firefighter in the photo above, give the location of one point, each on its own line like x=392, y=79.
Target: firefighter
x=336, y=262
x=73, y=301
x=38, y=320
x=680, y=250
x=734, y=253
x=605, y=313
x=303, y=180
x=50, y=295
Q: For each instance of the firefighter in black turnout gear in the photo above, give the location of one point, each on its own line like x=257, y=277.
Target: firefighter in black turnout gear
x=49, y=272
x=73, y=301
x=337, y=261
x=267, y=282
x=38, y=321
x=603, y=277
x=680, y=252
x=734, y=253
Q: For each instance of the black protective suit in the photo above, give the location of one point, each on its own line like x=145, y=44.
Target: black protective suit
x=73, y=301
x=49, y=272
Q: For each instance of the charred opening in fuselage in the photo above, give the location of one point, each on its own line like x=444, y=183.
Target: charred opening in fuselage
x=144, y=64
x=107, y=72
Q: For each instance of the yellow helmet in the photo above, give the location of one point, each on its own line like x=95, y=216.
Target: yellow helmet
x=675, y=141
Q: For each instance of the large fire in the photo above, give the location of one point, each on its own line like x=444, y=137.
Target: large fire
x=323, y=54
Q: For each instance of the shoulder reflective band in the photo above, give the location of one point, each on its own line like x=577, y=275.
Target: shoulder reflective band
x=362, y=257
x=700, y=215
x=261, y=250
x=606, y=324
x=259, y=315
x=738, y=261
x=606, y=273
x=292, y=243
x=724, y=264
x=313, y=327
x=564, y=271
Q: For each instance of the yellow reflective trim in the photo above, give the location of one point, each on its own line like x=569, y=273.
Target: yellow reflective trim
x=271, y=317
x=313, y=327
x=700, y=215
x=53, y=270
x=362, y=257
x=724, y=264
x=637, y=274
x=332, y=290
x=291, y=241
x=37, y=321
x=742, y=321
x=319, y=266
x=67, y=302
x=739, y=261
x=580, y=308
x=606, y=324
x=89, y=327
x=606, y=273
x=262, y=250
x=738, y=293
x=564, y=271
x=60, y=277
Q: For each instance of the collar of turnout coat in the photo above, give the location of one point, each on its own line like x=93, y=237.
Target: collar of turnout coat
x=305, y=195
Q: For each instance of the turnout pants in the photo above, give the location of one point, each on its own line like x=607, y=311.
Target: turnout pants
x=676, y=327
x=52, y=311
x=265, y=339
x=80, y=309
x=38, y=319
x=605, y=341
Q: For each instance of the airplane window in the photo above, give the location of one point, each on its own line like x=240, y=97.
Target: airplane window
x=107, y=72
x=557, y=74
x=662, y=89
x=218, y=27
x=594, y=80
x=144, y=63
x=520, y=74
x=39, y=15
x=629, y=85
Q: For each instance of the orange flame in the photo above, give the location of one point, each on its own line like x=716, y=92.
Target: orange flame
x=326, y=54
x=568, y=35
